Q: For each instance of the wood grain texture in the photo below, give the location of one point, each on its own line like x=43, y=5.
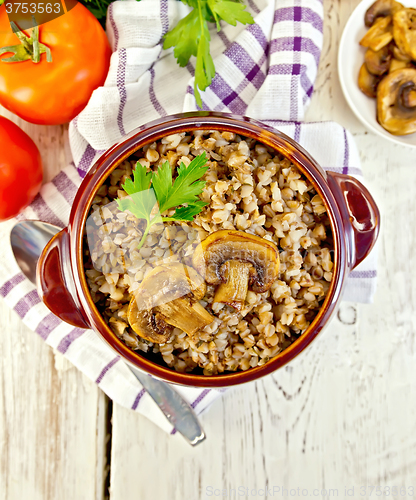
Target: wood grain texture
x=341, y=415
x=53, y=420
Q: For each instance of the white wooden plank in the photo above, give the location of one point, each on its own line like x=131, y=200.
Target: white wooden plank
x=343, y=414
x=53, y=421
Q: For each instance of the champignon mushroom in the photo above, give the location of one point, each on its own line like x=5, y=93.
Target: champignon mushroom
x=381, y=8
x=398, y=54
x=395, y=64
x=367, y=82
x=168, y=297
x=404, y=31
x=235, y=261
x=396, y=102
x=378, y=62
x=379, y=35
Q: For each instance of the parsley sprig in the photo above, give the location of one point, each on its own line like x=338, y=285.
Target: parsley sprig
x=148, y=188
x=191, y=37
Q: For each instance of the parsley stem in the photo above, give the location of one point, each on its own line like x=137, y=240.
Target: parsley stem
x=146, y=232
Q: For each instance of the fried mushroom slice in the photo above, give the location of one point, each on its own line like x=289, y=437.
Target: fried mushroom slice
x=404, y=31
x=378, y=62
x=381, y=8
x=367, y=82
x=168, y=297
x=398, y=54
x=379, y=35
x=396, y=102
x=395, y=64
x=237, y=261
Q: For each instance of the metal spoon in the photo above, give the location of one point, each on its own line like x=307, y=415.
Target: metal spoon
x=28, y=239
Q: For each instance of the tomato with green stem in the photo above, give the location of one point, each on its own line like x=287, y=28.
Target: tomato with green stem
x=20, y=169
x=47, y=75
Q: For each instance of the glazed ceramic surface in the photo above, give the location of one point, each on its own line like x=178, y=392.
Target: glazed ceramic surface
x=353, y=214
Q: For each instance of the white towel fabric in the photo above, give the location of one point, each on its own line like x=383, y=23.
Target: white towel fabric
x=265, y=70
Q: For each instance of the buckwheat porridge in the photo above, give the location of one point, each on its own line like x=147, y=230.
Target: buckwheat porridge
x=227, y=290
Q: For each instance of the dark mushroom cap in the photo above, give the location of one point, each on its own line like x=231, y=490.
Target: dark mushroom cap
x=222, y=246
x=378, y=62
x=396, y=110
x=381, y=8
x=367, y=82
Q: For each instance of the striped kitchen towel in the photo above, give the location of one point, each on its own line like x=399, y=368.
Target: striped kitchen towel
x=265, y=70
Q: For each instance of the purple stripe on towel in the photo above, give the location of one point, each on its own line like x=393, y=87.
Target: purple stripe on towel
x=164, y=16
x=200, y=397
x=346, y=153
x=138, y=398
x=44, y=212
x=296, y=136
x=223, y=37
x=47, y=325
x=65, y=186
x=10, y=284
x=253, y=6
x=121, y=86
x=228, y=96
x=363, y=274
x=257, y=32
x=113, y=25
x=24, y=305
x=351, y=170
x=68, y=339
x=86, y=160
x=295, y=44
x=153, y=99
x=241, y=59
x=299, y=14
x=106, y=368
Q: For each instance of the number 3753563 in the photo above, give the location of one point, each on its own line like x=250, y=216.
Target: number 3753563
x=33, y=8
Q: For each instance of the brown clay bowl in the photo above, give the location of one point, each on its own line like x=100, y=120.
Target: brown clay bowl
x=353, y=214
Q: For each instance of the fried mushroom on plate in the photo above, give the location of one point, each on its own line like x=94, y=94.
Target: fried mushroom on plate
x=396, y=102
x=388, y=71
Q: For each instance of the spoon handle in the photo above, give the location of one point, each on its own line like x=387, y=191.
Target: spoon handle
x=174, y=407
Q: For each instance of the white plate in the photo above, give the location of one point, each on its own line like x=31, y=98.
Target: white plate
x=350, y=59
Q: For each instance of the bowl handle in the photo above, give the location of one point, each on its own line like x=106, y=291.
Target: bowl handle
x=55, y=284
x=360, y=214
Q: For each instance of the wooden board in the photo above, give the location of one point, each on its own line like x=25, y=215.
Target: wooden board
x=343, y=415
x=53, y=420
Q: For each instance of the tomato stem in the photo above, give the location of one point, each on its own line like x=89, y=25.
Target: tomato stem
x=29, y=48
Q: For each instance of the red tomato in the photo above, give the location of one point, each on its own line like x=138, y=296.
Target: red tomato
x=20, y=169
x=52, y=93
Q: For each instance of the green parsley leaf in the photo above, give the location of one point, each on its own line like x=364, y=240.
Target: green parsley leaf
x=230, y=12
x=185, y=188
x=148, y=188
x=189, y=212
x=141, y=180
x=191, y=37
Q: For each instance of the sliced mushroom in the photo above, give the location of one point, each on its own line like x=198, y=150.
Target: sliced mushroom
x=404, y=31
x=379, y=35
x=381, y=8
x=396, y=102
x=237, y=261
x=398, y=54
x=378, y=62
x=168, y=297
x=395, y=64
x=367, y=82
